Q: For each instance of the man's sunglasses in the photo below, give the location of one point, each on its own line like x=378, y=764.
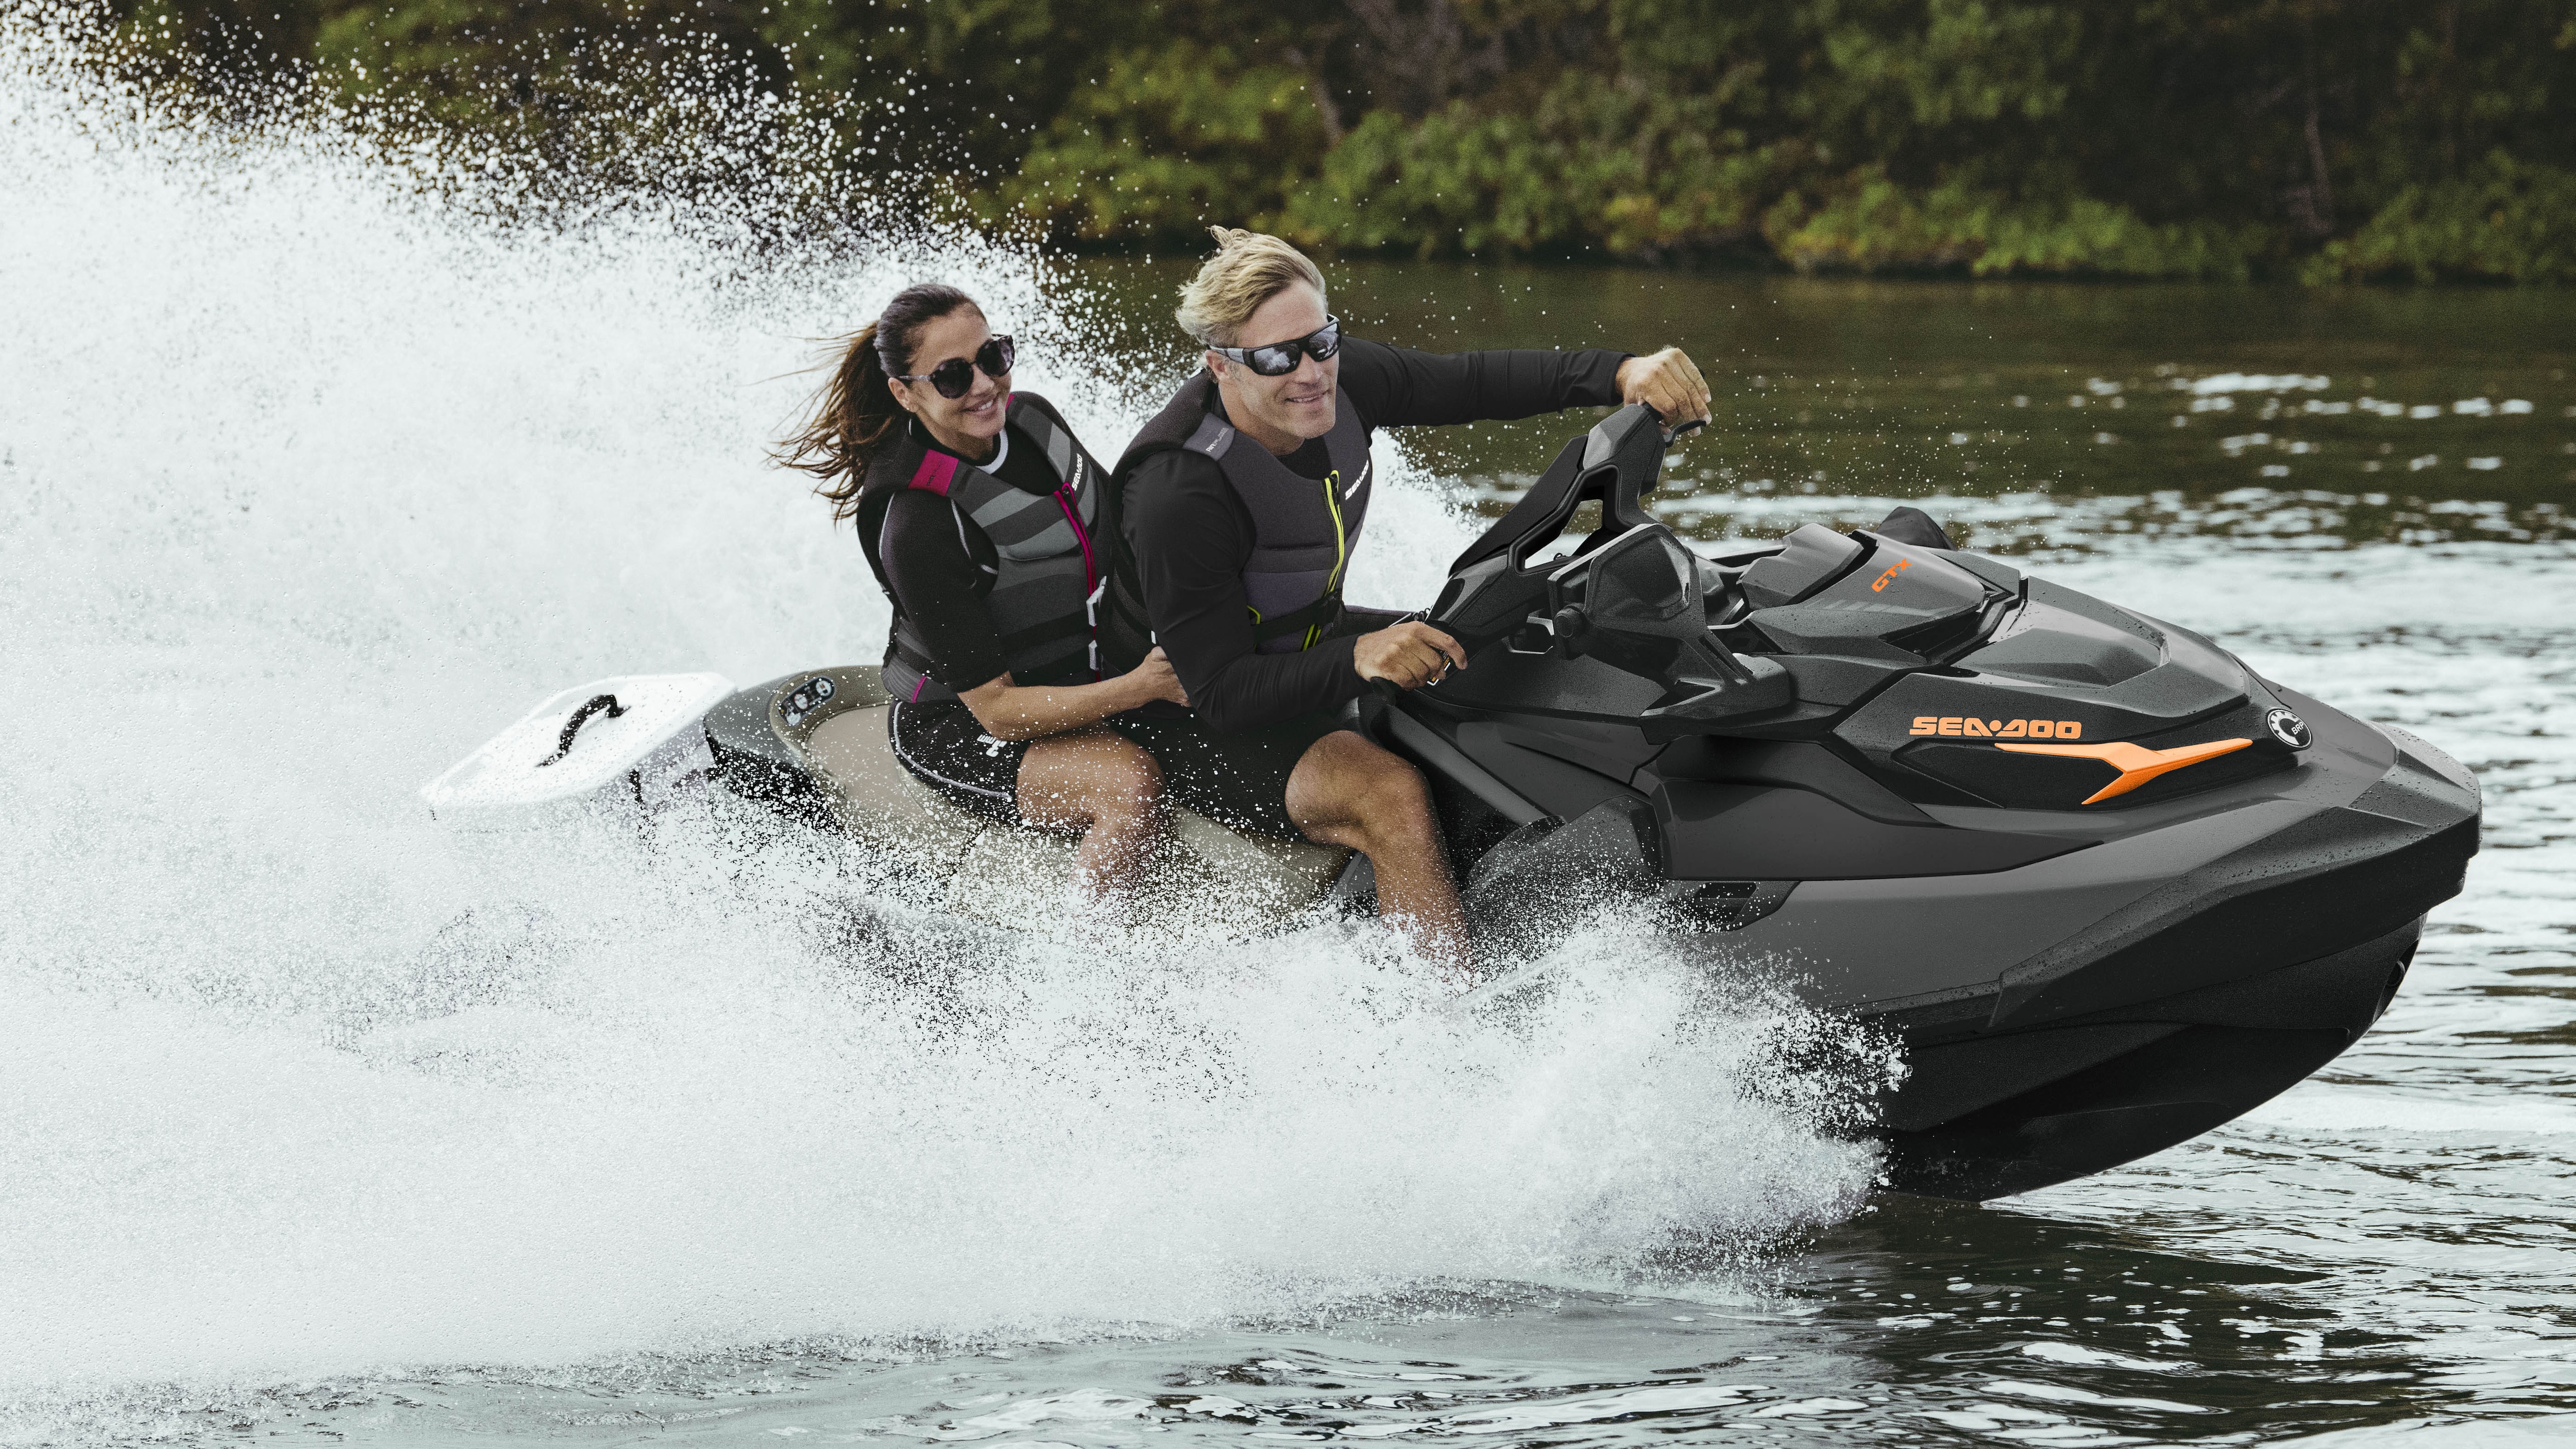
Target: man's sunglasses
x=954, y=376
x=1281, y=358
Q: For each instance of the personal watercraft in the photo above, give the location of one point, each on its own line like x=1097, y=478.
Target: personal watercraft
x=2108, y=886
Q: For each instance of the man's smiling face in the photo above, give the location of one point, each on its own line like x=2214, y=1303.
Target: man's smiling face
x=1298, y=404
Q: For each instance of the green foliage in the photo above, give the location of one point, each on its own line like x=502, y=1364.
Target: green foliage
x=951, y=86
x=1873, y=224
x=1455, y=181
x=2326, y=139
x=1167, y=140
x=2505, y=220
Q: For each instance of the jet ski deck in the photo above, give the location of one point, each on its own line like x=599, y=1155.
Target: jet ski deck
x=813, y=748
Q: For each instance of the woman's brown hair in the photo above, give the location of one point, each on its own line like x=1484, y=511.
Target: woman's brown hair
x=856, y=411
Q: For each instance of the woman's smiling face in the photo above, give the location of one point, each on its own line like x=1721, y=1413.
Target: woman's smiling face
x=965, y=424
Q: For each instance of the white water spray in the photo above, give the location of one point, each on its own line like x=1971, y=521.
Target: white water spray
x=310, y=477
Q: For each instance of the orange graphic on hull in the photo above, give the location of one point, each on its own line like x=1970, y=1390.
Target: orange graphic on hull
x=2136, y=763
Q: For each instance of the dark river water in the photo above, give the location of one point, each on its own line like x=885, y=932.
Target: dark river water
x=2031, y=416
x=323, y=1124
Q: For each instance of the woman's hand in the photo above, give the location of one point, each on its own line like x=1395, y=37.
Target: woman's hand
x=1667, y=381
x=1407, y=655
x=1154, y=679
x=1010, y=712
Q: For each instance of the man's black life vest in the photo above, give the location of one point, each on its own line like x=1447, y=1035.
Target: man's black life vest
x=1047, y=584
x=1304, y=530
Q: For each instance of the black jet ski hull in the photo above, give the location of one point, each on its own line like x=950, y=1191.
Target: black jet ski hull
x=2072, y=992
x=2108, y=886
x=1989, y=1114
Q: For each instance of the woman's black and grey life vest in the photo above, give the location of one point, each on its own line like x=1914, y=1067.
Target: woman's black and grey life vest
x=1047, y=579
x=1304, y=530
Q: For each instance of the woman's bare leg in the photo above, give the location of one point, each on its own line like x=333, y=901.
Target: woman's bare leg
x=1106, y=787
x=1348, y=791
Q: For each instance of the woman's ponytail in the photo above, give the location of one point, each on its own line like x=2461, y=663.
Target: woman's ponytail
x=856, y=411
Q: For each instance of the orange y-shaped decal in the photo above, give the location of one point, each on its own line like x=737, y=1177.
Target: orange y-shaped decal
x=2136, y=763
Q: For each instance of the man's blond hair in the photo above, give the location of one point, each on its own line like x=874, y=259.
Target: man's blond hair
x=1249, y=268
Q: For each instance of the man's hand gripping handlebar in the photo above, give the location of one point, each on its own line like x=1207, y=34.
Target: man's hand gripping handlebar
x=1406, y=656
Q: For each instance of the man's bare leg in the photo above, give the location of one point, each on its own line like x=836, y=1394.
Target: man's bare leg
x=1105, y=786
x=1348, y=791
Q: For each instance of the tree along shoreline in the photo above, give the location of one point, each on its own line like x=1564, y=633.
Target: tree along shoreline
x=2319, y=141
x=1725, y=263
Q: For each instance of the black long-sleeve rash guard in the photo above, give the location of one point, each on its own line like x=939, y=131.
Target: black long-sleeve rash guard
x=1191, y=536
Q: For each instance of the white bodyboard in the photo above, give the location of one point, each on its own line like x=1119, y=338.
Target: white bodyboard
x=644, y=755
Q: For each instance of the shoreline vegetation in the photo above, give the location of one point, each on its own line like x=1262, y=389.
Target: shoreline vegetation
x=2318, y=141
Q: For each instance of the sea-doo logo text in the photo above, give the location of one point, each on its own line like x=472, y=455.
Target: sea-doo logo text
x=2288, y=728
x=1889, y=577
x=1997, y=729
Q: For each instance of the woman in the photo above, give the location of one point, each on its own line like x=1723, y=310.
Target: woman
x=974, y=505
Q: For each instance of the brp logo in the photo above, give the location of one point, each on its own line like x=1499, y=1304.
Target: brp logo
x=2288, y=728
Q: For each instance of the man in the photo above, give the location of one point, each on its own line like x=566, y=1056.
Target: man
x=1239, y=507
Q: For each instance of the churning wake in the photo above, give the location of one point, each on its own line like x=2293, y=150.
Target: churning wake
x=313, y=473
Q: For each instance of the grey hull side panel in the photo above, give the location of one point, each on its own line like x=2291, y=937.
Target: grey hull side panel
x=1862, y=941
x=1857, y=943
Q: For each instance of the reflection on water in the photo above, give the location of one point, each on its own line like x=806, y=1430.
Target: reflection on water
x=2036, y=417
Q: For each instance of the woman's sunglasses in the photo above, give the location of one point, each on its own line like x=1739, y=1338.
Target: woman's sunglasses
x=954, y=376
x=1281, y=358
